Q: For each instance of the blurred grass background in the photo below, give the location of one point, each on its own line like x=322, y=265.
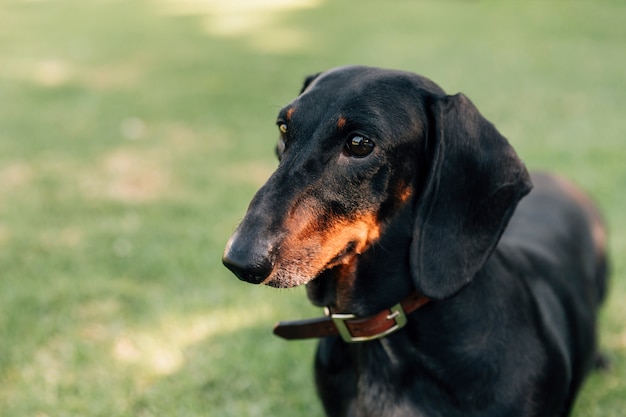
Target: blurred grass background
x=134, y=133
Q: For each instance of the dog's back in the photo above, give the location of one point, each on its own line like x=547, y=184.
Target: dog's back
x=558, y=221
x=557, y=240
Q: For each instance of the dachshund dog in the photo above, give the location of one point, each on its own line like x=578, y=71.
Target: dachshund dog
x=451, y=288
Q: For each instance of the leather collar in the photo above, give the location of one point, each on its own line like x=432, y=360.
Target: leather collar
x=352, y=328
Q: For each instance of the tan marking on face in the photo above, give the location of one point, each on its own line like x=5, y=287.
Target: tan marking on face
x=310, y=248
x=404, y=193
x=341, y=123
x=598, y=231
x=290, y=113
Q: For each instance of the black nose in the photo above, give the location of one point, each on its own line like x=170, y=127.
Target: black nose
x=251, y=264
x=254, y=273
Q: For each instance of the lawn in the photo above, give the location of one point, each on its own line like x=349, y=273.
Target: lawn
x=134, y=133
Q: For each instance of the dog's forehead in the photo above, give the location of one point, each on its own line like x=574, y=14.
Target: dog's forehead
x=349, y=83
x=363, y=89
x=354, y=80
x=361, y=95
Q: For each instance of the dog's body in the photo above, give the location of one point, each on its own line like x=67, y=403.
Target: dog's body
x=387, y=186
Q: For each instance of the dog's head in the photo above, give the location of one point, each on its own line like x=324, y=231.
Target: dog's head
x=357, y=147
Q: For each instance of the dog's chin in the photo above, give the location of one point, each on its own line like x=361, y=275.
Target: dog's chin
x=287, y=281
x=289, y=278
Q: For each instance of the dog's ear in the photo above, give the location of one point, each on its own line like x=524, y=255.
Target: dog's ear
x=308, y=80
x=472, y=189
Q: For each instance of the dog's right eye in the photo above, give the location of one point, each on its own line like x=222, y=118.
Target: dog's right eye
x=359, y=146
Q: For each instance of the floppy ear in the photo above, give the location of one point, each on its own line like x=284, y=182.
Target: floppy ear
x=474, y=185
x=308, y=80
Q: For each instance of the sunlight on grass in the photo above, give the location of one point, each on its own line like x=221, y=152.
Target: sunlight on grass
x=13, y=176
x=52, y=72
x=129, y=176
x=56, y=70
x=159, y=349
x=69, y=237
x=256, y=20
x=252, y=173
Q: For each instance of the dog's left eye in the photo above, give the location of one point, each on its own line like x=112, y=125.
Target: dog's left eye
x=359, y=146
x=282, y=127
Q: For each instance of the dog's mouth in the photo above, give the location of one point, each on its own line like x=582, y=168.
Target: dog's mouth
x=292, y=276
x=309, y=249
x=341, y=257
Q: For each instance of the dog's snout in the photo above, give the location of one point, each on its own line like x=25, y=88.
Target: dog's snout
x=249, y=262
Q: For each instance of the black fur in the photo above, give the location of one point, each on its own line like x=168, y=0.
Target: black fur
x=511, y=328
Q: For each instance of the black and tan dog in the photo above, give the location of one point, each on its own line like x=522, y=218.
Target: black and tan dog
x=397, y=206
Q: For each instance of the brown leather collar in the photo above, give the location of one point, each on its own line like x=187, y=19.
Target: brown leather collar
x=350, y=327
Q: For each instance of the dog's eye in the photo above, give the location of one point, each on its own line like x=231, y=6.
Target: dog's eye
x=282, y=127
x=359, y=146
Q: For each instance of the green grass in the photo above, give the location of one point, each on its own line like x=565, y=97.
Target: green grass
x=132, y=137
